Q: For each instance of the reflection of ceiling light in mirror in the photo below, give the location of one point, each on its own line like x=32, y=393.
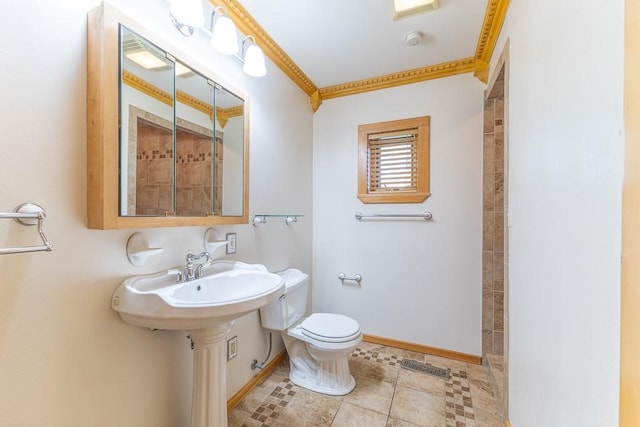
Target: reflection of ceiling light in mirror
x=402, y=8
x=146, y=60
x=181, y=70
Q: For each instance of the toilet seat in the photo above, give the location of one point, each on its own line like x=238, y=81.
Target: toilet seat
x=330, y=328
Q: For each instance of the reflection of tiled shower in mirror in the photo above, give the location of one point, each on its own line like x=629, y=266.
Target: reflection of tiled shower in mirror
x=194, y=195
x=193, y=167
x=171, y=163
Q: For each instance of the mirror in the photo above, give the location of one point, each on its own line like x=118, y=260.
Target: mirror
x=176, y=141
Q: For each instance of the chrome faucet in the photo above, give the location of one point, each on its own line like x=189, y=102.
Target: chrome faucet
x=194, y=272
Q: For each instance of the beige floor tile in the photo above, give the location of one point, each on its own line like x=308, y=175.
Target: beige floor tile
x=355, y=416
x=398, y=352
x=476, y=371
x=442, y=362
x=385, y=395
x=371, y=394
x=418, y=407
x=421, y=381
x=487, y=418
x=252, y=401
x=239, y=418
x=307, y=409
x=394, y=422
x=482, y=394
x=373, y=370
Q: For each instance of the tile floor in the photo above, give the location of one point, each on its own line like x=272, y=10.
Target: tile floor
x=386, y=395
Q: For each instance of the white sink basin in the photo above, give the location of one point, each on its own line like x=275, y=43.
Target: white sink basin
x=157, y=301
x=206, y=309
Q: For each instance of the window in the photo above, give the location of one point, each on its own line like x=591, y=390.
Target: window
x=393, y=161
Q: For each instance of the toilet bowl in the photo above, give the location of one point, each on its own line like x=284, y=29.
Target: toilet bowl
x=318, y=345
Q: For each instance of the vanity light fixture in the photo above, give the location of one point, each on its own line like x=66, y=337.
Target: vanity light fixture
x=223, y=32
x=402, y=8
x=253, y=58
x=224, y=36
x=186, y=15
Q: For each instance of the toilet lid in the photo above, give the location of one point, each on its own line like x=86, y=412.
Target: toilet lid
x=330, y=327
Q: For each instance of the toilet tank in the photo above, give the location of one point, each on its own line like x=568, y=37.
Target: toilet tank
x=290, y=307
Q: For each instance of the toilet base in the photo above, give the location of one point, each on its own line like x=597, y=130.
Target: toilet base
x=314, y=385
x=318, y=370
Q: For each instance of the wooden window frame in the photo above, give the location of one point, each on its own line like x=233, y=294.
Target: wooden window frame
x=418, y=195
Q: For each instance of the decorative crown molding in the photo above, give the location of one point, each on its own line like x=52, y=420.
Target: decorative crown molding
x=479, y=64
x=247, y=25
x=491, y=26
x=444, y=69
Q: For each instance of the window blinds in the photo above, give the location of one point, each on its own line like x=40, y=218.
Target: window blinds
x=392, y=161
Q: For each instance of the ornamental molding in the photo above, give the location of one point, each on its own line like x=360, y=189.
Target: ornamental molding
x=478, y=64
x=247, y=25
x=415, y=75
x=491, y=26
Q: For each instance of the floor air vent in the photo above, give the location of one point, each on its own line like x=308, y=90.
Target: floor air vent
x=427, y=369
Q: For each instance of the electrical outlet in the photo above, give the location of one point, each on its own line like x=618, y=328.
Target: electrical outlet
x=232, y=347
x=231, y=246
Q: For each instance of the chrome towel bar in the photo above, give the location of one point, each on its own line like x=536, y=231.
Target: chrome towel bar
x=426, y=216
x=28, y=214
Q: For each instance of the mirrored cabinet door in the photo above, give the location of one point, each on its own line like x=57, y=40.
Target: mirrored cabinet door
x=230, y=134
x=195, y=144
x=147, y=167
x=167, y=145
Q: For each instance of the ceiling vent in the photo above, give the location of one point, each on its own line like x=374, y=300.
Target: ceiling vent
x=403, y=8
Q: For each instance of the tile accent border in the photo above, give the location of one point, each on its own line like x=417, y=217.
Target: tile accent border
x=434, y=351
x=458, y=404
x=277, y=400
x=360, y=353
x=459, y=410
x=257, y=379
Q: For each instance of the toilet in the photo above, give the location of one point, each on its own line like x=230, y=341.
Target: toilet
x=318, y=345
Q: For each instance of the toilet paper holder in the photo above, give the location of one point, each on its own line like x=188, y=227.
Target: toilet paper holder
x=357, y=278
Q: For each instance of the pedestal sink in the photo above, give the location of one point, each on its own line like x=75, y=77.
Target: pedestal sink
x=205, y=308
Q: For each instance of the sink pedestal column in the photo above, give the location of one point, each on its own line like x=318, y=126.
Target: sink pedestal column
x=209, y=399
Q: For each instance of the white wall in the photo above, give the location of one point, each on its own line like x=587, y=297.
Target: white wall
x=421, y=281
x=67, y=359
x=565, y=168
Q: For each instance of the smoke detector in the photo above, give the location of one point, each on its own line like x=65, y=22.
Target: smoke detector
x=414, y=38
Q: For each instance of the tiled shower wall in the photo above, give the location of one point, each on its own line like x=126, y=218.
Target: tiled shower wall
x=493, y=215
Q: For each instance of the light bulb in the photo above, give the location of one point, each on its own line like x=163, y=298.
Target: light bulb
x=224, y=38
x=254, y=62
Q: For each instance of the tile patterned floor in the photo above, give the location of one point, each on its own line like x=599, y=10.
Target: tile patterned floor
x=386, y=395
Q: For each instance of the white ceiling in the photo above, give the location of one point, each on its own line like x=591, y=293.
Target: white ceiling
x=339, y=41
